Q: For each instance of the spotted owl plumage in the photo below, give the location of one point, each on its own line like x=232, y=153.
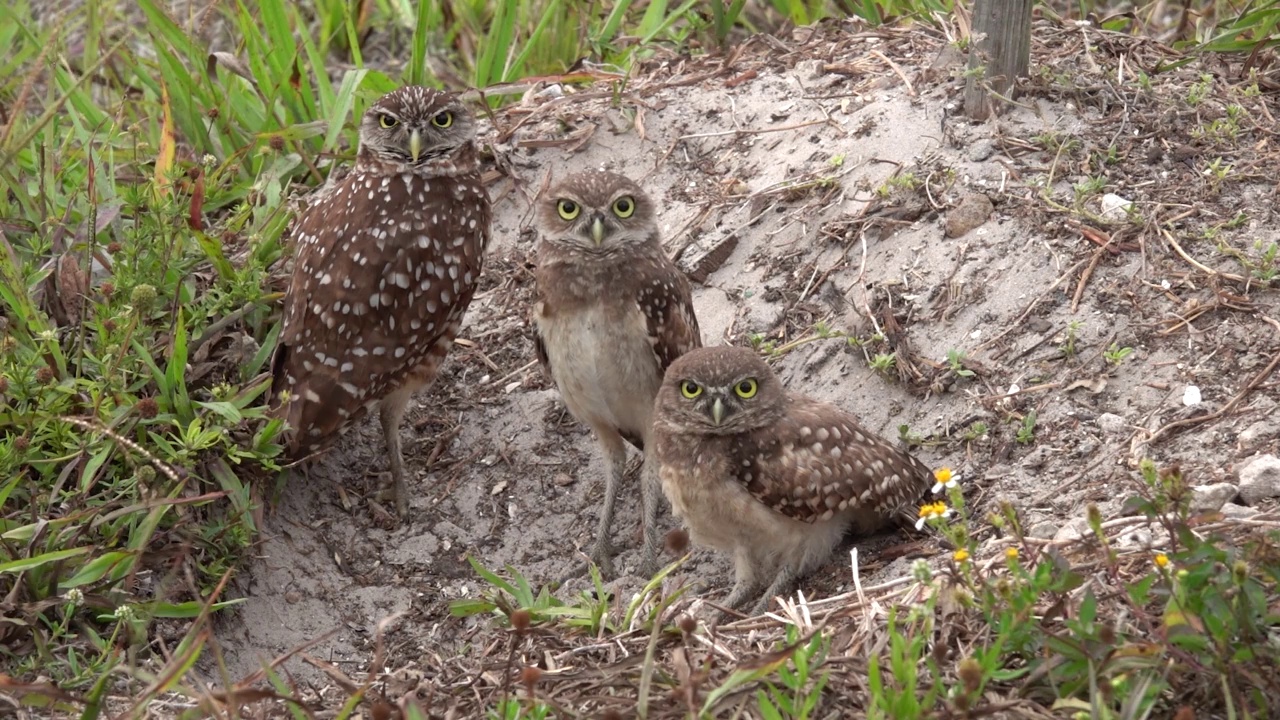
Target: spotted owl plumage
x=612, y=313
x=387, y=260
x=770, y=477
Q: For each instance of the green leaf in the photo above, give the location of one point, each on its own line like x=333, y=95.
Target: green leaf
x=93, y=465
x=342, y=104
x=117, y=563
x=16, y=566
x=186, y=610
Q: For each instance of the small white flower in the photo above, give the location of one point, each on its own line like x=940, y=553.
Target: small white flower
x=75, y=596
x=921, y=571
x=124, y=613
x=209, y=160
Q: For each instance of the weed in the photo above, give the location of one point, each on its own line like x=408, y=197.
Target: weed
x=1027, y=429
x=902, y=181
x=1199, y=90
x=974, y=432
x=1115, y=355
x=1069, y=343
x=1088, y=187
x=884, y=363
x=955, y=360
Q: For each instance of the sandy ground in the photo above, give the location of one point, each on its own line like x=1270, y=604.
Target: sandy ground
x=784, y=161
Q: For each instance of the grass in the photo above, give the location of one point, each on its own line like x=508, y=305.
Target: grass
x=144, y=196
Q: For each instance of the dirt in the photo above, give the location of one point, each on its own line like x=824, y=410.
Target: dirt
x=870, y=121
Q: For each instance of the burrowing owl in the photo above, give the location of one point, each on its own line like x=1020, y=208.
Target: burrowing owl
x=612, y=313
x=387, y=261
x=770, y=477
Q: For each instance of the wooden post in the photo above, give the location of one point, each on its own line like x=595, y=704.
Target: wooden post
x=1000, y=54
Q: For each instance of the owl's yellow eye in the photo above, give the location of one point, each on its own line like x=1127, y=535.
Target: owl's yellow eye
x=624, y=207
x=568, y=209
x=746, y=389
x=443, y=120
x=690, y=390
x=387, y=121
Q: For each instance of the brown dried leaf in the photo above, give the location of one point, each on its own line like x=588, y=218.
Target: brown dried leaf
x=230, y=62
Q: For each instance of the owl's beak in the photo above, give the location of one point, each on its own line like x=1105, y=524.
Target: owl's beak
x=717, y=411
x=415, y=144
x=597, y=230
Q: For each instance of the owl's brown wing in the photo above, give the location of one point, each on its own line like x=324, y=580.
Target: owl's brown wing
x=816, y=461
x=379, y=287
x=666, y=300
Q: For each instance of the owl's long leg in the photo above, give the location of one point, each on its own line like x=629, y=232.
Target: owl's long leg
x=391, y=412
x=783, y=584
x=745, y=583
x=650, y=493
x=615, y=453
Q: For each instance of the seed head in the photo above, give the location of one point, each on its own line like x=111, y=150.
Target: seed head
x=529, y=676
x=147, y=408
x=970, y=672
x=687, y=624
x=107, y=288
x=677, y=541
x=21, y=443
x=520, y=621
x=44, y=375
x=142, y=297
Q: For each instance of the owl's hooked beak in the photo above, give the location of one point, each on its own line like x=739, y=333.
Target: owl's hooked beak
x=717, y=411
x=415, y=144
x=597, y=230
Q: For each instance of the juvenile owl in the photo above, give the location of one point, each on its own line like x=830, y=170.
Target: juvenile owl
x=612, y=312
x=387, y=260
x=770, y=477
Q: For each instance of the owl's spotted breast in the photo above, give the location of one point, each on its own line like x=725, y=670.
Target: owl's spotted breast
x=386, y=267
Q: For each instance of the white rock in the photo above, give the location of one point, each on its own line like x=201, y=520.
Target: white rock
x=1238, y=512
x=1111, y=424
x=1191, y=396
x=1043, y=530
x=1135, y=538
x=1256, y=434
x=1211, y=498
x=1260, y=479
x=1115, y=208
x=1074, y=531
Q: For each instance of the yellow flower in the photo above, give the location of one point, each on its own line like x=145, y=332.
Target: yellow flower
x=945, y=479
x=928, y=511
x=1011, y=553
x=961, y=555
x=1162, y=561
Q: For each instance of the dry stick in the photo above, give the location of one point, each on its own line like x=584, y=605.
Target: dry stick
x=1249, y=388
x=1084, y=276
x=1178, y=248
x=897, y=71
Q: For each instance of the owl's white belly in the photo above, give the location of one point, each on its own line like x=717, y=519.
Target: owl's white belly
x=720, y=513
x=604, y=366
